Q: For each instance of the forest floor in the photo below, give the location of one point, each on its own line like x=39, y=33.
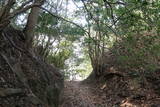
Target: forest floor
x=78, y=94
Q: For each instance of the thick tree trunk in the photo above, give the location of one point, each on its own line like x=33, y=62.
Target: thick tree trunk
x=30, y=27
x=31, y=24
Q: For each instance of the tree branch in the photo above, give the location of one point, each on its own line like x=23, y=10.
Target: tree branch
x=59, y=17
x=116, y=3
x=121, y=16
x=19, y=10
x=24, y=4
x=111, y=9
x=5, y=19
x=92, y=17
x=31, y=23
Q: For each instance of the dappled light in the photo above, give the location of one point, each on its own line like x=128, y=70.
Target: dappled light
x=79, y=53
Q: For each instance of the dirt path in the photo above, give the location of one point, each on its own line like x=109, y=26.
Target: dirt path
x=80, y=95
x=77, y=94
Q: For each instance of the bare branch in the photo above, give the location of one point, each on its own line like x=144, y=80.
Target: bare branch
x=111, y=9
x=19, y=11
x=24, y=4
x=116, y=3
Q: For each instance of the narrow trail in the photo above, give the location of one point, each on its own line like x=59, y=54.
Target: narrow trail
x=77, y=94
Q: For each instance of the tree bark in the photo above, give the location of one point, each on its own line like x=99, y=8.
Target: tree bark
x=6, y=15
x=31, y=24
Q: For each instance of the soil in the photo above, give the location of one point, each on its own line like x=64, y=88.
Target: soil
x=77, y=94
x=26, y=80
x=115, y=92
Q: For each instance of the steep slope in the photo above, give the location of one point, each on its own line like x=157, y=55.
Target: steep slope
x=25, y=79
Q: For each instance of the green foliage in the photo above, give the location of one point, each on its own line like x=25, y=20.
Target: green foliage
x=138, y=53
x=131, y=31
x=59, y=57
x=82, y=73
x=138, y=47
x=80, y=70
x=88, y=41
x=71, y=30
x=47, y=25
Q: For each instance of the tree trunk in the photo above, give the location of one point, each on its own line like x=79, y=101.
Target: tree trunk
x=30, y=27
x=31, y=24
x=6, y=14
